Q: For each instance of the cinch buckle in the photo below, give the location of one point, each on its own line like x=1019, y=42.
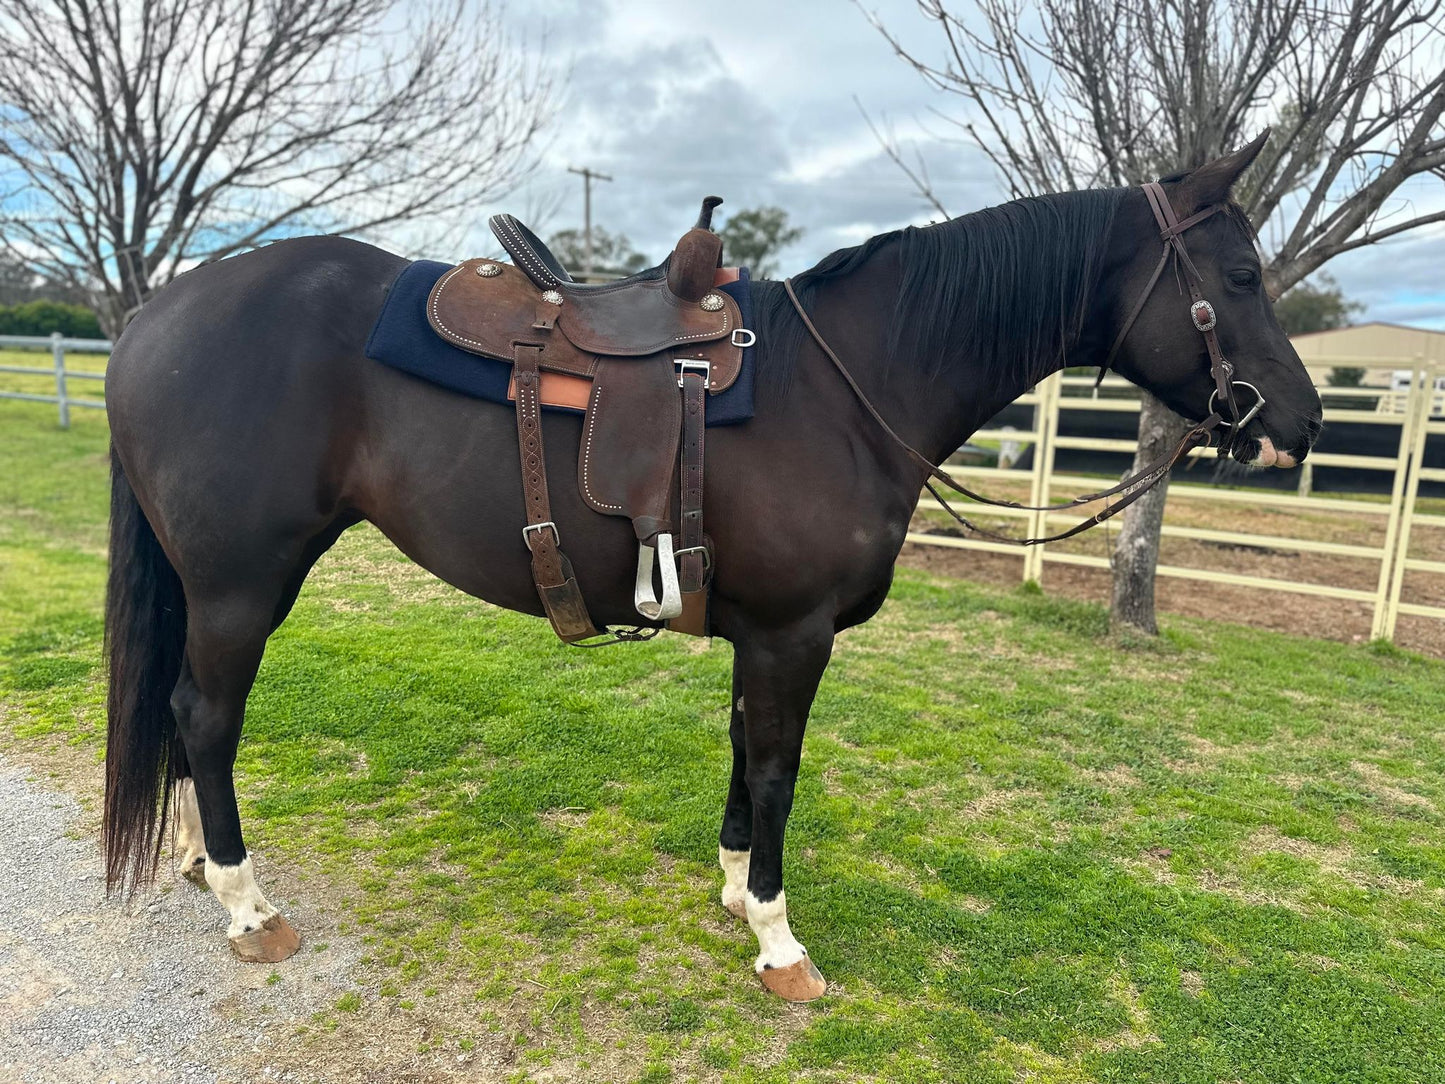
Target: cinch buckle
x=701, y=366
x=556, y=538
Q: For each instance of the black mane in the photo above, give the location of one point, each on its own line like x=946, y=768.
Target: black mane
x=1013, y=283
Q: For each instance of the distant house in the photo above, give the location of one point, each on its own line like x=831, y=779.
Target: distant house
x=1347, y=347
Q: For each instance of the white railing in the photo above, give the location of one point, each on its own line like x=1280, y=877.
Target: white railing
x=57, y=344
x=1414, y=417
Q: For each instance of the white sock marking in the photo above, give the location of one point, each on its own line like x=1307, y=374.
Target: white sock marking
x=735, y=871
x=190, y=840
x=235, y=887
x=778, y=947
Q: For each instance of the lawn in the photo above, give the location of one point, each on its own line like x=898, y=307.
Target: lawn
x=1020, y=851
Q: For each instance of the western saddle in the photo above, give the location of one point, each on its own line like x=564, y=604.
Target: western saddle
x=639, y=355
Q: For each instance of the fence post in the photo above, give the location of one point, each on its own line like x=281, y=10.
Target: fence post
x=57, y=350
x=1404, y=515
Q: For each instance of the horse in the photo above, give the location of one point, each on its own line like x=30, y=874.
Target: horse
x=249, y=431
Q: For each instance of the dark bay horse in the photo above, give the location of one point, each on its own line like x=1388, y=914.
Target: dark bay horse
x=249, y=431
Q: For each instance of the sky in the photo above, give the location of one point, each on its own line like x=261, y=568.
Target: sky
x=760, y=102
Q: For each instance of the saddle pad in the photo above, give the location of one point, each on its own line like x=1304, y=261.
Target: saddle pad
x=403, y=339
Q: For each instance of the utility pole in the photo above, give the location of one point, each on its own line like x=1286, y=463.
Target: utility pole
x=588, y=176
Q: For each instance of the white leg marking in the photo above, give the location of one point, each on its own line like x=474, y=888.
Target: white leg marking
x=735, y=885
x=190, y=841
x=778, y=947
x=235, y=887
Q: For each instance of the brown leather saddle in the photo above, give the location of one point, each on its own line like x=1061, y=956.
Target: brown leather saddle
x=639, y=356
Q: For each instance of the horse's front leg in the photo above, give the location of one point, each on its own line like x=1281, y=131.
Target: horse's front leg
x=735, y=839
x=780, y=670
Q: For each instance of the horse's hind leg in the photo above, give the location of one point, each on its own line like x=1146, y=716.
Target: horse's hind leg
x=225, y=638
x=190, y=837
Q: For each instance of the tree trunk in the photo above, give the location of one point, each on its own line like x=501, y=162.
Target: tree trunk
x=1137, y=551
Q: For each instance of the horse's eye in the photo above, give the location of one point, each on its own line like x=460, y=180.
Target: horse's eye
x=1243, y=279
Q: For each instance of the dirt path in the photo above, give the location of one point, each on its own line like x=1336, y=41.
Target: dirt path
x=95, y=990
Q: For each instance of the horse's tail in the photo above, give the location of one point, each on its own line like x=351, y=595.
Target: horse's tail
x=145, y=635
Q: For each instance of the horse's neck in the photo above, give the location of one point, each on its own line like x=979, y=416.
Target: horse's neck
x=933, y=406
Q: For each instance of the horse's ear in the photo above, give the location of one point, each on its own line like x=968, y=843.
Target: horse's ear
x=1211, y=182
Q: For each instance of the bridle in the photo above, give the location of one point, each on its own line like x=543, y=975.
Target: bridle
x=1205, y=320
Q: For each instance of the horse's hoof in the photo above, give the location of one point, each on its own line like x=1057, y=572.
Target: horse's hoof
x=271, y=942
x=738, y=908
x=796, y=982
x=195, y=872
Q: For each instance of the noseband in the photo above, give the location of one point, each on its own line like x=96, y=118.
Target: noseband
x=1201, y=314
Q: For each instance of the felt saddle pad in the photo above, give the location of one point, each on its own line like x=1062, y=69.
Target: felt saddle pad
x=403, y=339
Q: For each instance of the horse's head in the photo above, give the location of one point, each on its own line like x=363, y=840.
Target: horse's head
x=1174, y=345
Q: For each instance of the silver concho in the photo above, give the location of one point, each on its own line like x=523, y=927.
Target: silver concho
x=712, y=303
x=1202, y=313
x=489, y=270
x=552, y=297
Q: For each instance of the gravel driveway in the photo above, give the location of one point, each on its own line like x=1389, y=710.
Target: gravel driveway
x=93, y=989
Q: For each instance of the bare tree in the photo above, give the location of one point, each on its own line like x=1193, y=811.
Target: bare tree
x=1066, y=94
x=141, y=137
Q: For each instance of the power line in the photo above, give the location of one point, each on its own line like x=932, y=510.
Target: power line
x=588, y=176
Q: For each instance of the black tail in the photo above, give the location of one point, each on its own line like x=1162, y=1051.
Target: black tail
x=145, y=638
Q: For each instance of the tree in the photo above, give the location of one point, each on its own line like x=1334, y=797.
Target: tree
x=612, y=254
x=1306, y=308
x=1123, y=92
x=142, y=137
x=753, y=238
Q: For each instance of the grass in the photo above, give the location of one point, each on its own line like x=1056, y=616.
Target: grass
x=1020, y=851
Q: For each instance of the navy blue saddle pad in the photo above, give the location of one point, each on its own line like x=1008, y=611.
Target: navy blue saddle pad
x=403, y=339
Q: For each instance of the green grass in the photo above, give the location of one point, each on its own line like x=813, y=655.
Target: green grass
x=1020, y=850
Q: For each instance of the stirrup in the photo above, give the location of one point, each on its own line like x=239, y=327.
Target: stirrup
x=647, y=603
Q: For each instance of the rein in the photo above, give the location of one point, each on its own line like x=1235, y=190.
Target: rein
x=1201, y=314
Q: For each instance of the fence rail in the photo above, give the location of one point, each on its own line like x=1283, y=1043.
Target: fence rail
x=1412, y=410
x=1415, y=410
x=57, y=344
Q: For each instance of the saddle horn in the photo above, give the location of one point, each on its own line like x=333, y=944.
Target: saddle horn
x=704, y=218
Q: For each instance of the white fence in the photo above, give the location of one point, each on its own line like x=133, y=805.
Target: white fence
x=57, y=344
x=1414, y=410
x=1410, y=412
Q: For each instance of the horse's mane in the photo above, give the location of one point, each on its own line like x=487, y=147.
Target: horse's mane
x=1013, y=284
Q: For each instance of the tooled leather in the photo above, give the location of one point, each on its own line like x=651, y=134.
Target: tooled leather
x=692, y=567
x=487, y=315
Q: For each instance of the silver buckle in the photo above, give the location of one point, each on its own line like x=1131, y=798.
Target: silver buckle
x=700, y=366
x=751, y=338
x=706, y=555
x=556, y=538
x=1249, y=417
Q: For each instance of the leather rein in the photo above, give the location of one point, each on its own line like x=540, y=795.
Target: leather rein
x=1201, y=314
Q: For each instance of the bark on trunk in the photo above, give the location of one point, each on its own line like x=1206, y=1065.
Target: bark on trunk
x=1137, y=552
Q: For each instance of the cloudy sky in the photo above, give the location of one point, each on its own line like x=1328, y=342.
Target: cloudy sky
x=758, y=101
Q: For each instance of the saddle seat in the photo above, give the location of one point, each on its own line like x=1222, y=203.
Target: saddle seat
x=644, y=351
